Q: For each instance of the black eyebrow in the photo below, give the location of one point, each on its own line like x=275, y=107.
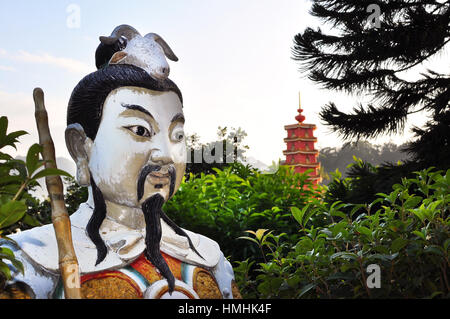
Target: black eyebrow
x=138, y=108
x=178, y=117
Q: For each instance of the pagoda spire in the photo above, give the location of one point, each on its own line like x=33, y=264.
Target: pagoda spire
x=301, y=153
x=300, y=118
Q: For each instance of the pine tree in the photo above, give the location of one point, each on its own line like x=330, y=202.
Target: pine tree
x=369, y=46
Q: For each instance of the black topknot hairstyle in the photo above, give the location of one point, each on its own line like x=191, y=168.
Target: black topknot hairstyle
x=86, y=102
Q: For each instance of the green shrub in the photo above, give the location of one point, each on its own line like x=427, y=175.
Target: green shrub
x=408, y=238
x=16, y=178
x=223, y=205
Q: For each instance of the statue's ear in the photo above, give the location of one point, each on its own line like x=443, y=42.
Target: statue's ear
x=79, y=146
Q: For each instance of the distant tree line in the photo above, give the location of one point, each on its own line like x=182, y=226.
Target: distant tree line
x=332, y=158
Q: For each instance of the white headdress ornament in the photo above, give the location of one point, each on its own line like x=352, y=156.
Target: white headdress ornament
x=148, y=52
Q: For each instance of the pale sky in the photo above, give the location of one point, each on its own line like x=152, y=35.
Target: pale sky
x=234, y=69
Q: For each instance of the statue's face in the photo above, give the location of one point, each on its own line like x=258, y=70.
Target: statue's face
x=139, y=127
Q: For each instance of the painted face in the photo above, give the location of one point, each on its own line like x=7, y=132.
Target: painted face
x=140, y=144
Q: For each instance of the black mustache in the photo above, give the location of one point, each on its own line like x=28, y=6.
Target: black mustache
x=142, y=176
x=146, y=170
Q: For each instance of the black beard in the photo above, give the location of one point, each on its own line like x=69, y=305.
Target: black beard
x=152, y=209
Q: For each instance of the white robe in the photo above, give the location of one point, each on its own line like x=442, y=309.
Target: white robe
x=37, y=250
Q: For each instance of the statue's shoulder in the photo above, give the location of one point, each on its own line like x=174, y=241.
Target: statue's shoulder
x=31, y=247
x=39, y=244
x=178, y=247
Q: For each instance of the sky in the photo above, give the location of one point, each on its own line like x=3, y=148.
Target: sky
x=235, y=67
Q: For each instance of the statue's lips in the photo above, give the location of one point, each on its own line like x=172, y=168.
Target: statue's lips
x=156, y=178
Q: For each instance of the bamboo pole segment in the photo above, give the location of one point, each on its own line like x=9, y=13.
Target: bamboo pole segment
x=68, y=263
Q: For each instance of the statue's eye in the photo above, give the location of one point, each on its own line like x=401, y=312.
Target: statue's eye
x=139, y=131
x=179, y=136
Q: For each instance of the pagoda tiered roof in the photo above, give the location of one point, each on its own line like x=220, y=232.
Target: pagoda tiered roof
x=301, y=153
x=300, y=125
x=312, y=152
x=304, y=139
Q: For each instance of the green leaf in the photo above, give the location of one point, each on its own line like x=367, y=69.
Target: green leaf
x=3, y=127
x=436, y=293
x=308, y=217
x=446, y=244
x=398, y=244
x=298, y=214
x=50, y=172
x=5, y=270
x=344, y=255
x=420, y=234
x=259, y=233
x=19, y=266
x=419, y=213
x=249, y=238
x=305, y=289
x=32, y=159
x=5, y=157
x=20, y=166
x=11, y=213
x=433, y=249
x=412, y=201
x=383, y=257
x=6, y=253
x=11, y=179
x=364, y=230
x=15, y=135
x=30, y=220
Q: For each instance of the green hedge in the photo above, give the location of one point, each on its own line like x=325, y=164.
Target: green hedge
x=407, y=238
x=223, y=205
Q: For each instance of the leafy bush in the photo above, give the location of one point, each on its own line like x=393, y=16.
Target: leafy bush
x=16, y=177
x=408, y=238
x=237, y=198
x=41, y=210
x=365, y=180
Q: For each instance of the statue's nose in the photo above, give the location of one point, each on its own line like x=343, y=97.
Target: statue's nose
x=161, y=157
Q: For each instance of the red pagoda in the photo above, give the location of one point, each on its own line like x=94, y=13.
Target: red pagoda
x=300, y=152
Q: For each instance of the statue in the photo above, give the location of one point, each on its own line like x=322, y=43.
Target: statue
x=125, y=133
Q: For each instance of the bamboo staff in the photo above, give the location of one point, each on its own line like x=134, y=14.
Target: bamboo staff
x=68, y=264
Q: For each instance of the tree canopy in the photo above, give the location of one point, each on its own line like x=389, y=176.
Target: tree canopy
x=368, y=47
